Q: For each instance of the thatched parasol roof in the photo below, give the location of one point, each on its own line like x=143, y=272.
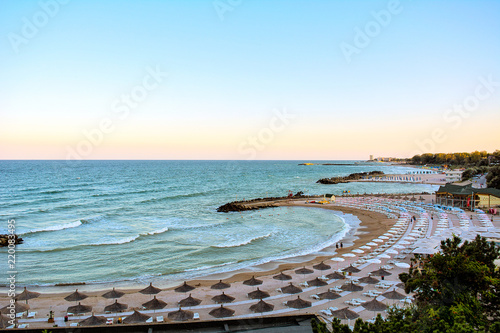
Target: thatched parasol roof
x=258, y=294
x=369, y=280
x=336, y=276
x=252, y=282
x=79, y=308
x=189, y=301
x=150, y=290
x=93, y=321
x=298, y=303
x=374, y=305
x=75, y=297
x=393, y=295
x=154, y=304
x=345, y=313
x=400, y=285
x=223, y=298
x=136, y=317
x=329, y=295
x=304, y=270
x=351, y=287
x=184, y=288
x=115, y=307
x=221, y=312
x=262, y=306
x=316, y=283
x=27, y=295
x=282, y=277
x=380, y=272
x=291, y=289
x=113, y=294
x=351, y=269
x=4, y=321
x=18, y=307
x=322, y=266
x=180, y=315
x=220, y=285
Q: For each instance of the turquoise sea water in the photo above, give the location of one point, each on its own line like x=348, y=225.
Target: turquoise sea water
x=104, y=221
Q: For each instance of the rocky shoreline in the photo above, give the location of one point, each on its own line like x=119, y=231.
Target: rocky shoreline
x=4, y=240
x=258, y=203
x=351, y=177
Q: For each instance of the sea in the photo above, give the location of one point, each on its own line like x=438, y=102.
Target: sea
x=133, y=222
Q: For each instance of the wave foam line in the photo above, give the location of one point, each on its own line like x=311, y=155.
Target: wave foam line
x=246, y=242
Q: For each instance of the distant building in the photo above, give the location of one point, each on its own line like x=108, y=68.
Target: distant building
x=453, y=176
x=464, y=196
x=371, y=157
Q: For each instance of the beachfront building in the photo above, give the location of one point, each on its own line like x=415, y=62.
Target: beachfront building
x=467, y=197
x=453, y=176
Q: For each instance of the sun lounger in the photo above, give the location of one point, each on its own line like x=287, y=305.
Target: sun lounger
x=150, y=320
x=32, y=314
x=23, y=326
x=315, y=296
x=196, y=316
x=326, y=312
x=159, y=319
x=73, y=324
x=279, y=290
x=19, y=314
x=109, y=321
x=304, y=284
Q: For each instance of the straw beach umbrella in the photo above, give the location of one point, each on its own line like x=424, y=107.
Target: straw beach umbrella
x=304, y=271
x=154, y=304
x=393, y=294
x=220, y=285
x=261, y=307
x=27, y=295
x=115, y=307
x=184, y=288
x=150, y=290
x=351, y=287
x=80, y=308
x=180, y=315
x=136, y=317
x=329, y=295
x=4, y=321
x=316, y=283
x=380, y=272
x=351, y=269
x=282, y=277
x=369, y=280
x=189, y=301
x=223, y=298
x=252, y=282
x=258, y=294
x=18, y=307
x=291, y=289
x=345, y=313
x=298, y=303
x=221, y=312
x=374, y=305
x=322, y=266
x=336, y=276
x=93, y=321
x=113, y=294
x=75, y=297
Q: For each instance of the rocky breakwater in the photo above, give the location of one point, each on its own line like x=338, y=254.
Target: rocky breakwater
x=350, y=178
x=259, y=203
x=4, y=240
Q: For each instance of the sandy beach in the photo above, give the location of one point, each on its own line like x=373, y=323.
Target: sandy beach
x=373, y=225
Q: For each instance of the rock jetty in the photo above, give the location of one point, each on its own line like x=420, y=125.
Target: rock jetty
x=259, y=203
x=4, y=240
x=350, y=178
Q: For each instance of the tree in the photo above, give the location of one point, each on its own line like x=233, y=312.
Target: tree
x=493, y=177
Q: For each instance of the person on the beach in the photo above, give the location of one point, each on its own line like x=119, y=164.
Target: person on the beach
x=341, y=245
x=337, y=245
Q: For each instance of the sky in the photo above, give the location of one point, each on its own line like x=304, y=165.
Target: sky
x=241, y=79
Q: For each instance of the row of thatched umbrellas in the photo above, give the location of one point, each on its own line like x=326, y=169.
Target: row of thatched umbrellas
x=156, y=304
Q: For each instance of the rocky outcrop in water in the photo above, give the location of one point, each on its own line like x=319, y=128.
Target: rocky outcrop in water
x=259, y=203
x=4, y=240
x=351, y=177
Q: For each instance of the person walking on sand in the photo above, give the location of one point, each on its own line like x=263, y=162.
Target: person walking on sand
x=341, y=245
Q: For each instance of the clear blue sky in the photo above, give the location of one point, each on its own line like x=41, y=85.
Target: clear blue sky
x=232, y=64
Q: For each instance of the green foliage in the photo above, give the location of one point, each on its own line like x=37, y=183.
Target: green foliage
x=318, y=326
x=476, y=158
x=457, y=290
x=493, y=177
